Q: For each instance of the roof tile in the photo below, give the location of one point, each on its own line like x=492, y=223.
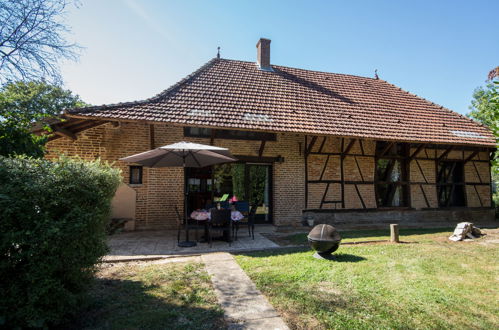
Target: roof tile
x=236, y=94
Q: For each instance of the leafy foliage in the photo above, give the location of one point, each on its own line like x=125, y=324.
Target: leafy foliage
x=54, y=216
x=32, y=39
x=484, y=106
x=22, y=104
x=485, y=109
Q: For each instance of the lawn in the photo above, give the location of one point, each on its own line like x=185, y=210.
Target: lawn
x=353, y=236
x=428, y=282
x=152, y=296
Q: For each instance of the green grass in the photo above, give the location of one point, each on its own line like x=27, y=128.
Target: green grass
x=156, y=296
x=374, y=235
x=430, y=283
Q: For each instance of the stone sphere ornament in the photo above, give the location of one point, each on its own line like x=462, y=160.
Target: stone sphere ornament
x=324, y=239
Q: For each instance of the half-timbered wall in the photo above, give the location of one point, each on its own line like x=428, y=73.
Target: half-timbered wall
x=340, y=174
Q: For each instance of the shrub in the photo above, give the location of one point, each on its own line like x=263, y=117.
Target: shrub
x=53, y=219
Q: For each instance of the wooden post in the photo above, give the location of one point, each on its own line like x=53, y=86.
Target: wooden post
x=394, y=233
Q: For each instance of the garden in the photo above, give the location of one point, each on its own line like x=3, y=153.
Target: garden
x=424, y=282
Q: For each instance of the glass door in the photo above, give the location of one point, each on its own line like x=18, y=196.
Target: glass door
x=259, y=191
x=245, y=182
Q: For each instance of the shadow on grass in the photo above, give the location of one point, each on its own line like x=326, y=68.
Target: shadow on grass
x=127, y=304
x=339, y=257
x=345, y=257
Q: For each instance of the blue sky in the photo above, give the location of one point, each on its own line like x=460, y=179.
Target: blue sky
x=134, y=49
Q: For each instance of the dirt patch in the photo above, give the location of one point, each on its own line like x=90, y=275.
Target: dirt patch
x=106, y=266
x=491, y=237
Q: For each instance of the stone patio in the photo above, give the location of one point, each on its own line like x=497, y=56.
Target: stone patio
x=161, y=243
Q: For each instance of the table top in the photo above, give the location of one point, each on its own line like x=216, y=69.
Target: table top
x=203, y=215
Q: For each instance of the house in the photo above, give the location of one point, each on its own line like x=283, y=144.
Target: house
x=347, y=150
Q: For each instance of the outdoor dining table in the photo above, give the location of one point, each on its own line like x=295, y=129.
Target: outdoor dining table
x=204, y=215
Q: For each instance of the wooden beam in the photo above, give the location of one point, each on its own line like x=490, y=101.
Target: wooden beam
x=446, y=152
x=256, y=159
x=342, y=174
x=470, y=157
x=424, y=195
x=88, y=125
x=358, y=168
x=477, y=195
x=421, y=171
x=349, y=146
x=389, y=145
x=64, y=132
x=339, y=181
x=151, y=136
x=324, y=196
x=360, y=197
x=311, y=145
x=417, y=151
x=305, y=159
x=324, y=168
x=262, y=148
x=477, y=172
x=212, y=136
x=322, y=144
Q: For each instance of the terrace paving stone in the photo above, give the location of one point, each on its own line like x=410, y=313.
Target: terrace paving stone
x=152, y=244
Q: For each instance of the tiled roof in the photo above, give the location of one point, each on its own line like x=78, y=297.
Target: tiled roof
x=236, y=94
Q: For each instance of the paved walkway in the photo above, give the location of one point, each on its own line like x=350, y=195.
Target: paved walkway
x=160, y=243
x=245, y=307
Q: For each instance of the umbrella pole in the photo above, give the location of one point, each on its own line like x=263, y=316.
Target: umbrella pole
x=187, y=242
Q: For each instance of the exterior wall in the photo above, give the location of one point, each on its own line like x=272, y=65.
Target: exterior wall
x=162, y=188
x=332, y=159
x=324, y=174
x=436, y=218
x=312, y=182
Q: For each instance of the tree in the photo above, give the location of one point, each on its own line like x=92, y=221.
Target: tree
x=485, y=109
x=484, y=106
x=32, y=39
x=24, y=103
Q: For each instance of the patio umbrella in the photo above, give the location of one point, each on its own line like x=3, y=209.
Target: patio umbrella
x=185, y=154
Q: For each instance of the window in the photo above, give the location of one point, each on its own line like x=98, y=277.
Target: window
x=391, y=174
x=135, y=174
x=450, y=185
x=228, y=134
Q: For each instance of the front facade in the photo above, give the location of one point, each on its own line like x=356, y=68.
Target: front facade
x=351, y=151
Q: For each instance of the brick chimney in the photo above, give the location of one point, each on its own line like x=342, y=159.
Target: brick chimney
x=263, y=54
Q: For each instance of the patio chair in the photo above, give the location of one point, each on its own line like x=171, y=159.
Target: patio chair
x=249, y=219
x=191, y=224
x=220, y=222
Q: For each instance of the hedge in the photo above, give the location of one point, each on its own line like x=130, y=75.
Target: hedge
x=52, y=225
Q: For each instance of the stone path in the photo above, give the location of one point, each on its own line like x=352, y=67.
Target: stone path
x=245, y=307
